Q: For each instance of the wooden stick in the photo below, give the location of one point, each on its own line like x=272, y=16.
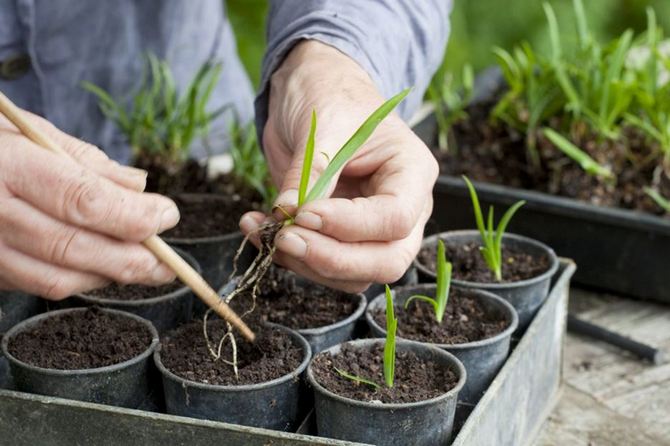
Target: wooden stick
x=155, y=244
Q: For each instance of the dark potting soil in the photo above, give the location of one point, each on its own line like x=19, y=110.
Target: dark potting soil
x=415, y=379
x=283, y=301
x=81, y=340
x=495, y=153
x=274, y=354
x=465, y=320
x=209, y=215
x=469, y=264
x=134, y=292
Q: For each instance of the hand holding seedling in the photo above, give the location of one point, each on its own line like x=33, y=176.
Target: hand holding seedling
x=70, y=224
x=370, y=228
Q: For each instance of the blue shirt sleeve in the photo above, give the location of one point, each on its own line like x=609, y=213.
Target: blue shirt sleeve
x=400, y=43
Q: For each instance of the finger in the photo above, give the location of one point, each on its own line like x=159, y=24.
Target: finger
x=43, y=237
x=90, y=156
x=71, y=193
x=49, y=281
x=398, y=193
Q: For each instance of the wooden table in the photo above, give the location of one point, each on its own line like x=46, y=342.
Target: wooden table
x=609, y=397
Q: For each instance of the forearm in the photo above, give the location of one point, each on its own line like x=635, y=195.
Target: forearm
x=398, y=43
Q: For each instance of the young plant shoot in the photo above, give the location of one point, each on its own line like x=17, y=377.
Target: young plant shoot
x=491, y=237
x=439, y=303
x=389, y=348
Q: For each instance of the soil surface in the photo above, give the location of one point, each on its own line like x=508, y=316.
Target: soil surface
x=491, y=152
x=274, y=354
x=465, y=320
x=469, y=264
x=82, y=340
x=210, y=215
x=415, y=379
x=134, y=292
x=282, y=300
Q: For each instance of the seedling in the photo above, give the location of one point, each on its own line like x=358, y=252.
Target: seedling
x=389, y=349
x=491, y=237
x=659, y=199
x=450, y=102
x=588, y=164
x=439, y=303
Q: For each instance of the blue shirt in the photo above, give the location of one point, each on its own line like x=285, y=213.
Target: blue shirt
x=399, y=42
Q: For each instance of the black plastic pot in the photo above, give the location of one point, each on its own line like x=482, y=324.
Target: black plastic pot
x=526, y=296
x=611, y=246
x=422, y=423
x=482, y=359
x=214, y=254
x=16, y=306
x=271, y=405
x=165, y=312
x=125, y=384
x=321, y=338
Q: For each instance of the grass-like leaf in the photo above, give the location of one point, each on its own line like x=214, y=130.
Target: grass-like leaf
x=587, y=163
x=443, y=274
x=357, y=379
x=659, y=199
x=352, y=145
x=307, y=162
x=389, y=345
x=491, y=248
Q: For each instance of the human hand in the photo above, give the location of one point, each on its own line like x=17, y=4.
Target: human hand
x=71, y=224
x=371, y=227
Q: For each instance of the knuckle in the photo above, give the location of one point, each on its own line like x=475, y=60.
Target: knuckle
x=83, y=200
x=59, y=248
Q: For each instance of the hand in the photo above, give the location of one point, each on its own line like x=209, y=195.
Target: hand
x=68, y=225
x=371, y=227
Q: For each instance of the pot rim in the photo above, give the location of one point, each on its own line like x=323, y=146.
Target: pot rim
x=307, y=356
x=311, y=379
x=553, y=259
x=104, y=301
x=508, y=309
x=23, y=325
x=206, y=239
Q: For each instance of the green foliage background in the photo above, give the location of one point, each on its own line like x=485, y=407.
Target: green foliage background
x=477, y=26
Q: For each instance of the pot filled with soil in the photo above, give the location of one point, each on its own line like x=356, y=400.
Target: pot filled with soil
x=418, y=408
x=166, y=306
x=88, y=354
x=476, y=327
x=527, y=268
x=323, y=316
x=261, y=390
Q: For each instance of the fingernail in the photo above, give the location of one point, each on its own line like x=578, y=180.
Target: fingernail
x=291, y=244
x=135, y=172
x=162, y=274
x=169, y=218
x=247, y=224
x=309, y=220
x=288, y=198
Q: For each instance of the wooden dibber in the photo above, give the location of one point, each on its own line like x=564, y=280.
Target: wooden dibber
x=155, y=244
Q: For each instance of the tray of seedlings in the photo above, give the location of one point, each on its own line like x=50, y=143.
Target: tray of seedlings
x=471, y=355
x=582, y=134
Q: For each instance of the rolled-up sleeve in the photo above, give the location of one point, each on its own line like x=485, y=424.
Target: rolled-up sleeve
x=400, y=43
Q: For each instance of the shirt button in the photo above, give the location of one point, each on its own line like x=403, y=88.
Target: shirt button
x=14, y=67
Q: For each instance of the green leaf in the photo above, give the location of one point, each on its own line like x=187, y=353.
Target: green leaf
x=352, y=145
x=477, y=209
x=307, y=162
x=659, y=199
x=443, y=281
x=389, y=345
x=576, y=154
x=421, y=297
x=357, y=379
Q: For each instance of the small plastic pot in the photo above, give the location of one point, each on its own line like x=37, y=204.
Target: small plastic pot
x=526, y=296
x=16, y=306
x=482, y=359
x=165, y=312
x=125, y=384
x=271, y=405
x=215, y=253
x=321, y=338
x=421, y=423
